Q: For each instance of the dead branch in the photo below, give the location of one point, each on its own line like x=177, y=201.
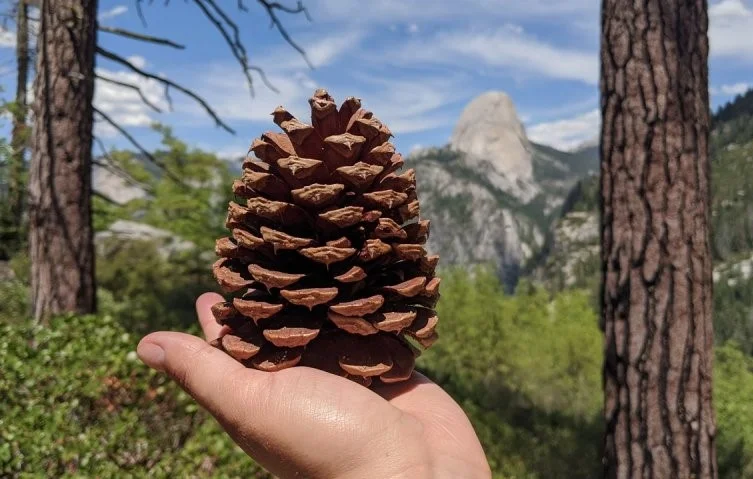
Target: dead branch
x=140, y=12
x=138, y=146
x=141, y=37
x=106, y=199
x=271, y=8
x=235, y=44
x=168, y=84
x=131, y=87
x=299, y=8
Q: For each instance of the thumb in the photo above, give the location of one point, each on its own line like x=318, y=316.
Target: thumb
x=277, y=417
x=204, y=372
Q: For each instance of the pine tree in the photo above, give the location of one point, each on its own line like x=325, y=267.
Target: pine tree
x=657, y=273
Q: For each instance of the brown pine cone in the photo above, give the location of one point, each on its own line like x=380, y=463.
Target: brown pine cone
x=325, y=261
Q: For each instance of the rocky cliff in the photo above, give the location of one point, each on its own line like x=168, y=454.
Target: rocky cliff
x=491, y=193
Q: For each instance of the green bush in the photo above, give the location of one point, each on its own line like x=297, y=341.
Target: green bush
x=14, y=301
x=733, y=390
x=527, y=371
x=78, y=403
x=525, y=368
x=147, y=290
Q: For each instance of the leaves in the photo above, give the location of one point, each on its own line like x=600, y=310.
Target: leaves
x=193, y=208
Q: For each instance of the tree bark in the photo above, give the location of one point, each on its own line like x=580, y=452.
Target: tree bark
x=657, y=273
x=60, y=222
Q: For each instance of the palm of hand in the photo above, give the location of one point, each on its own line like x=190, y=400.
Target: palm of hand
x=302, y=422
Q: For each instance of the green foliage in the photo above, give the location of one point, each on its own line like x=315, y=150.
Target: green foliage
x=11, y=232
x=527, y=371
x=733, y=123
x=148, y=288
x=525, y=368
x=733, y=390
x=577, y=163
x=584, y=196
x=14, y=301
x=740, y=106
x=732, y=201
x=78, y=403
x=733, y=311
x=188, y=196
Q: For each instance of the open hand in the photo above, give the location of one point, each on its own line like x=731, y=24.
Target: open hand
x=302, y=422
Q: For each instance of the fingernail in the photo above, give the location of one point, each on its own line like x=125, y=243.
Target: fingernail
x=152, y=355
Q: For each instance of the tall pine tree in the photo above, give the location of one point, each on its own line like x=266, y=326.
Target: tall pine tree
x=657, y=273
x=60, y=224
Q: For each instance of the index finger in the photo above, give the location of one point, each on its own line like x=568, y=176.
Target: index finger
x=206, y=318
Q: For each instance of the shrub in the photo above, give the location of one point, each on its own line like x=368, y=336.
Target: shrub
x=78, y=402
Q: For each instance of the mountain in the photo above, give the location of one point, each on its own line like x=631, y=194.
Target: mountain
x=494, y=142
x=571, y=257
x=491, y=193
x=731, y=205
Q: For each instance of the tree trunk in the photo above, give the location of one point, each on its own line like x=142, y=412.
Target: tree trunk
x=19, y=135
x=657, y=282
x=60, y=223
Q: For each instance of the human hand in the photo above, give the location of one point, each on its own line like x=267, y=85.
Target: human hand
x=302, y=422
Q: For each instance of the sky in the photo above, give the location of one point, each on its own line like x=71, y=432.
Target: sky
x=415, y=64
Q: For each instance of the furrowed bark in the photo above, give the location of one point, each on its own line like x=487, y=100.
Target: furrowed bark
x=657, y=272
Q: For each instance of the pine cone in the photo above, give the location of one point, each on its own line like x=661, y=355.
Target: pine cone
x=325, y=260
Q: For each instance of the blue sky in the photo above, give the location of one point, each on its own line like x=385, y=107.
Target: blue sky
x=416, y=64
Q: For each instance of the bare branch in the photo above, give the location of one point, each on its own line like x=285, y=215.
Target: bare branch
x=107, y=199
x=235, y=43
x=138, y=146
x=131, y=87
x=140, y=12
x=112, y=166
x=168, y=97
x=168, y=83
x=271, y=8
x=141, y=37
x=299, y=8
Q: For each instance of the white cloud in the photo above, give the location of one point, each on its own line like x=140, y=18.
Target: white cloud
x=224, y=87
x=232, y=152
x=327, y=50
x=115, y=11
x=732, y=89
x=509, y=48
x=568, y=133
x=409, y=105
x=731, y=22
x=7, y=38
x=413, y=28
x=728, y=8
x=137, y=60
x=321, y=52
x=549, y=112
x=124, y=105
x=404, y=105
